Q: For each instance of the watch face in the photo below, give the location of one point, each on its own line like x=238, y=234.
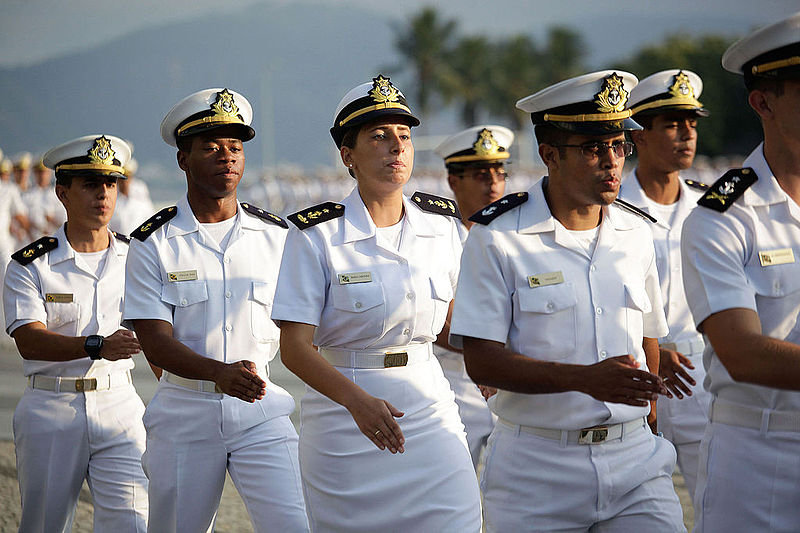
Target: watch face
x=93, y=342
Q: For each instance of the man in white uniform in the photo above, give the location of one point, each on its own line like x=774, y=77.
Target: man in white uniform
x=558, y=306
x=665, y=104
x=741, y=270
x=80, y=417
x=200, y=281
x=475, y=159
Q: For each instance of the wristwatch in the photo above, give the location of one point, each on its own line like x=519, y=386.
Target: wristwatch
x=93, y=345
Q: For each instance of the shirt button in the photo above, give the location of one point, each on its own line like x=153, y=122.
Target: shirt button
x=359, y=305
x=228, y=327
x=550, y=306
x=603, y=354
x=592, y=268
x=406, y=331
x=599, y=310
x=410, y=296
x=227, y=260
x=227, y=294
x=184, y=302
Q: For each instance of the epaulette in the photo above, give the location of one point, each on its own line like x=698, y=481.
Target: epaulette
x=154, y=222
x=498, y=207
x=436, y=204
x=34, y=250
x=699, y=185
x=728, y=189
x=265, y=215
x=312, y=216
x=121, y=237
x=630, y=208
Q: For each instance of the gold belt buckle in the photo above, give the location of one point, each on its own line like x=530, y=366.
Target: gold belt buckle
x=85, y=384
x=596, y=435
x=395, y=359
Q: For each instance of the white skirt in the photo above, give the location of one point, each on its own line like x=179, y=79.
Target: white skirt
x=350, y=485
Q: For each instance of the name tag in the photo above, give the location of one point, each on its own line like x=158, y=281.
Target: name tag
x=548, y=278
x=355, y=277
x=183, y=275
x=780, y=256
x=58, y=297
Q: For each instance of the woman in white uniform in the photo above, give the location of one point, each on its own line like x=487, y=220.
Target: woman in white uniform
x=369, y=281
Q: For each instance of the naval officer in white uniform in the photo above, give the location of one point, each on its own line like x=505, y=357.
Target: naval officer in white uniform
x=741, y=269
x=558, y=306
x=369, y=281
x=80, y=417
x=200, y=281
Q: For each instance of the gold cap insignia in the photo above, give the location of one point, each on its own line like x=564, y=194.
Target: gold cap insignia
x=383, y=90
x=224, y=106
x=613, y=96
x=486, y=144
x=101, y=152
x=681, y=87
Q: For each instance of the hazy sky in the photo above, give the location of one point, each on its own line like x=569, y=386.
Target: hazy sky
x=33, y=30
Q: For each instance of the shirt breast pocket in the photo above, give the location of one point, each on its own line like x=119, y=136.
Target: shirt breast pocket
x=188, y=299
x=363, y=306
x=637, y=304
x=441, y=294
x=548, y=323
x=63, y=317
x=263, y=328
x=777, y=295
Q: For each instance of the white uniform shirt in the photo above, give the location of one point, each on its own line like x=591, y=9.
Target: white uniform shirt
x=667, y=240
x=603, y=307
x=95, y=307
x=408, y=293
x=10, y=206
x=129, y=213
x=722, y=270
x=218, y=302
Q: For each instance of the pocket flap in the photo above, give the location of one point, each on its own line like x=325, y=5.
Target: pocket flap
x=184, y=293
x=548, y=299
x=441, y=289
x=262, y=292
x=636, y=297
x=357, y=297
x=62, y=312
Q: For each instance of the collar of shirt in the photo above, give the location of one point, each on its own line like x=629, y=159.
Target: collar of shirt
x=766, y=190
x=65, y=252
x=185, y=222
x=358, y=224
x=631, y=191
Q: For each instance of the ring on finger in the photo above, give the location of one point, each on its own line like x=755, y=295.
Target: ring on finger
x=378, y=432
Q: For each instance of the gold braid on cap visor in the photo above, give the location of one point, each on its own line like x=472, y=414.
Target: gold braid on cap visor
x=772, y=65
x=694, y=102
x=213, y=119
x=463, y=158
x=383, y=105
x=91, y=166
x=596, y=117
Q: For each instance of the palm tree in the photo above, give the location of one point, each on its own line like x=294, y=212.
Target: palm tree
x=516, y=74
x=467, y=77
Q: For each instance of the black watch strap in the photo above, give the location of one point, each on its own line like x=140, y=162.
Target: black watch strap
x=92, y=346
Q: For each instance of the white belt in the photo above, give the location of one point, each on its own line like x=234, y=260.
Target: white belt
x=199, y=385
x=734, y=414
x=593, y=435
x=69, y=384
x=379, y=358
x=690, y=347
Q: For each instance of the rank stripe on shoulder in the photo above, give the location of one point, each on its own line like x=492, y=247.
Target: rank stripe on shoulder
x=726, y=190
x=635, y=210
x=121, y=237
x=436, y=204
x=264, y=215
x=699, y=185
x=154, y=222
x=35, y=249
x=311, y=216
x=498, y=207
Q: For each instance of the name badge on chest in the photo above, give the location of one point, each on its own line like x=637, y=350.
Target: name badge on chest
x=781, y=256
x=182, y=275
x=58, y=297
x=548, y=278
x=355, y=277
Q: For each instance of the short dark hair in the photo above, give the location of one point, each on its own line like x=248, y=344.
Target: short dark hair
x=549, y=134
x=64, y=179
x=757, y=83
x=645, y=120
x=349, y=140
x=184, y=143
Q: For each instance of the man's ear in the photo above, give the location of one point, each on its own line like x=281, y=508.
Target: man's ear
x=760, y=101
x=182, y=159
x=61, y=193
x=550, y=155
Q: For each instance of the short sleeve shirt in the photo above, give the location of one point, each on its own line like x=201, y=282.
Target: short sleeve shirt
x=360, y=293
x=527, y=283
x=747, y=257
x=62, y=291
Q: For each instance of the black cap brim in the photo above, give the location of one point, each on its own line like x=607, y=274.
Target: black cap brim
x=338, y=132
x=246, y=133
x=605, y=127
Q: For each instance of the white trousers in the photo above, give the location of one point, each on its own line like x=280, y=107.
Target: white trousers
x=476, y=416
x=532, y=484
x=683, y=423
x=193, y=438
x=63, y=438
x=748, y=481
